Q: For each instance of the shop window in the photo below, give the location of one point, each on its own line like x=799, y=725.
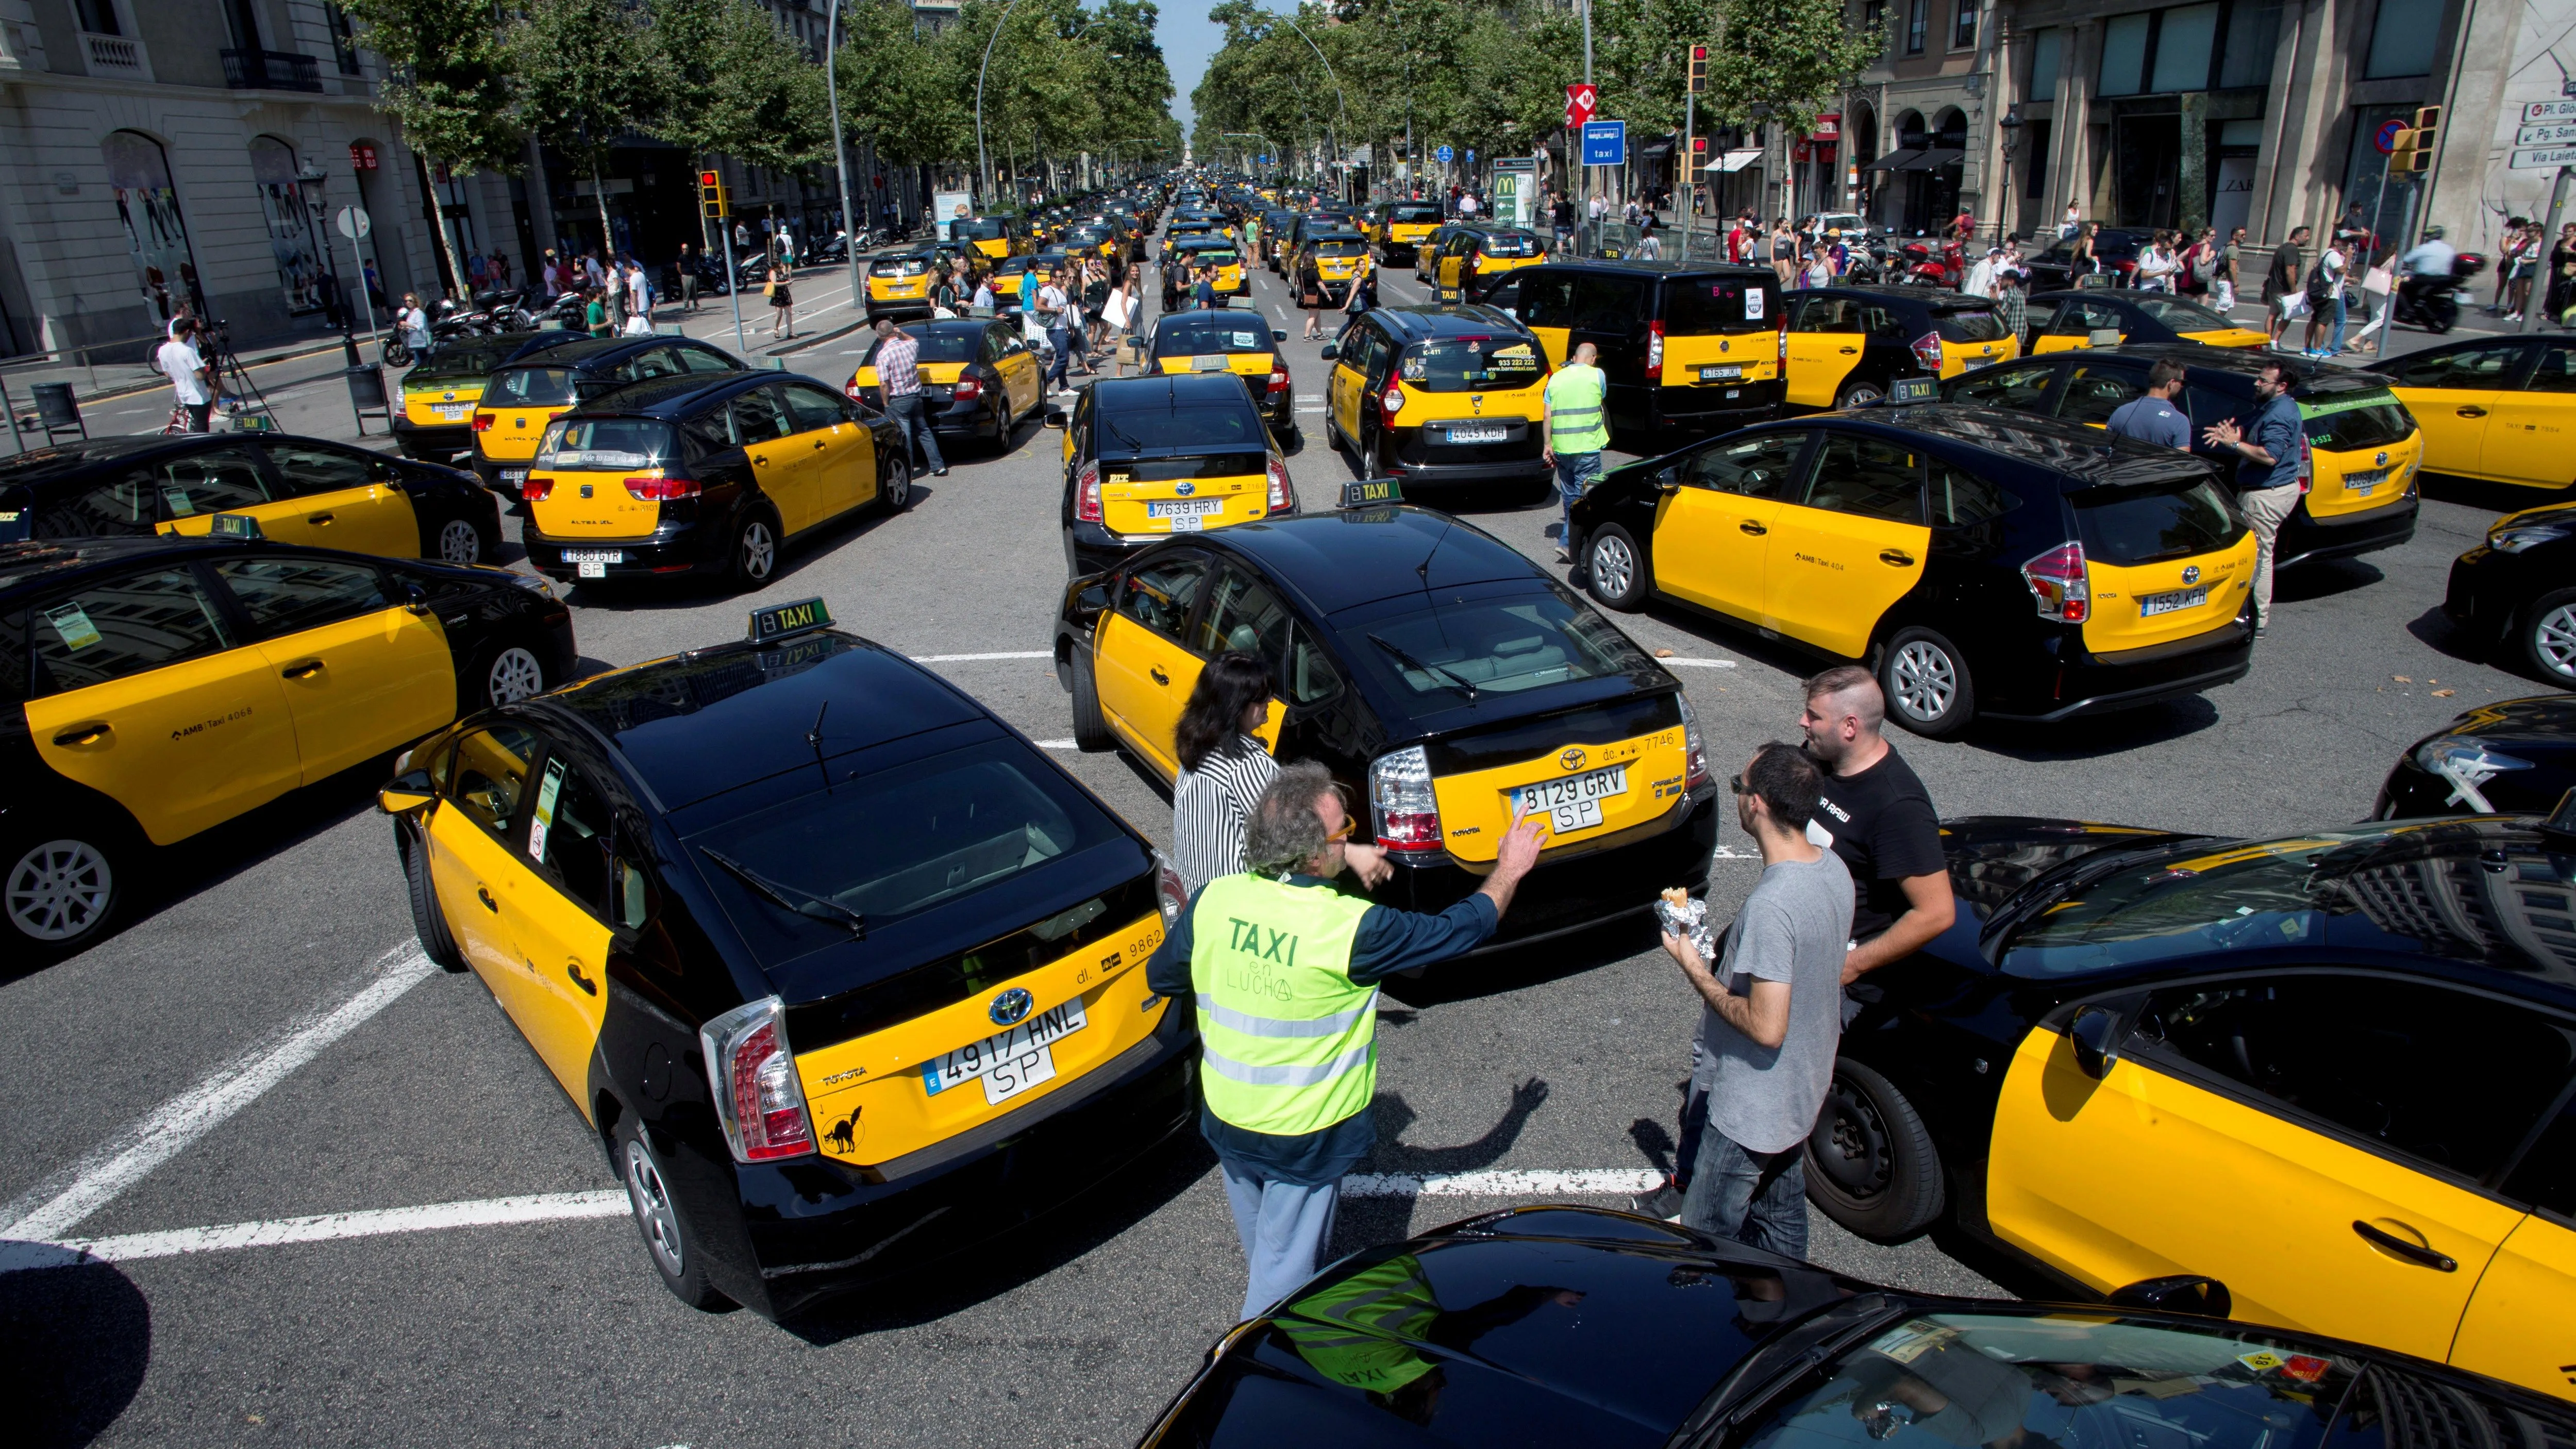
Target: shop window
x=294, y=239
x=156, y=234
x=2402, y=39
x=2183, y=42
x=1918, y=21
x=2253, y=33
x=2047, y=49
x=2124, y=54
x=1963, y=25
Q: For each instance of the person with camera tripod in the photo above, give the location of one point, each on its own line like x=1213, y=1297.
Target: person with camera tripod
x=190, y=381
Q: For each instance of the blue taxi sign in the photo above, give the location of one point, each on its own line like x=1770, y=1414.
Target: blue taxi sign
x=1914, y=390
x=233, y=525
x=780, y=620
x=1368, y=491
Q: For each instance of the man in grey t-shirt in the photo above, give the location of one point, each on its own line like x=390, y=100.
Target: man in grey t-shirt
x=2151, y=417
x=1772, y=1016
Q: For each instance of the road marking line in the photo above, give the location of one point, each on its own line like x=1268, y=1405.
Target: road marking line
x=1698, y=663
x=170, y=1129
x=1056, y=744
x=1013, y=654
x=1597, y=1182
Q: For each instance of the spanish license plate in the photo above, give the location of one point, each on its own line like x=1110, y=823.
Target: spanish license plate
x=2361, y=484
x=1727, y=373
x=1208, y=362
x=1189, y=508
x=1489, y=434
x=2150, y=605
x=1007, y=1063
x=1971, y=364
x=453, y=412
x=1573, y=803
x=514, y=476
x=592, y=563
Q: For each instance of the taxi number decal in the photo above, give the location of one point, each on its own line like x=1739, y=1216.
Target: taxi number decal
x=547, y=789
x=72, y=623
x=1120, y=477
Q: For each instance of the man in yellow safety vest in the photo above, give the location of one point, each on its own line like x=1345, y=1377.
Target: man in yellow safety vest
x=1578, y=428
x=1284, y=968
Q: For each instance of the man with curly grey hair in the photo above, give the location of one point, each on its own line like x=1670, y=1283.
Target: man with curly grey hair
x=1284, y=968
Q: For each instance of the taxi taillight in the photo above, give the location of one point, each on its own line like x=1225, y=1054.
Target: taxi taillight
x=1694, y=747
x=1086, y=494
x=1400, y=797
x=1784, y=342
x=1283, y=499
x=1654, y=346
x=2057, y=579
x=482, y=422
x=1927, y=350
x=1278, y=380
x=535, y=489
x=1171, y=893
x=1391, y=401
x=967, y=389
x=759, y=1102
x=661, y=490
x=852, y=389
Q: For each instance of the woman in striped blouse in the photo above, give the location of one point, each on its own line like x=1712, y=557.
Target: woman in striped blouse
x=1224, y=769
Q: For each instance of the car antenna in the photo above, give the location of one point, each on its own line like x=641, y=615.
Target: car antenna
x=814, y=742
x=1422, y=570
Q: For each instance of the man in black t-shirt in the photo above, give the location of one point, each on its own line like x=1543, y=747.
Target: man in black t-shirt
x=1878, y=817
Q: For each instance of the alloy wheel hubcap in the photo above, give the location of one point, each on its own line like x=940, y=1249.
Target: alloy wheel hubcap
x=2555, y=639
x=1926, y=680
x=515, y=675
x=899, y=484
x=758, y=552
x=1612, y=565
x=459, y=543
x=59, y=889
x=650, y=1196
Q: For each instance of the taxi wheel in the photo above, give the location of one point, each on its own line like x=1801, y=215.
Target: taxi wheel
x=667, y=1239
x=510, y=673
x=894, y=490
x=1861, y=395
x=2548, y=636
x=1618, y=569
x=459, y=542
x=61, y=892
x=1871, y=1165
x=1090, y=727
x=428, y=919
x=1926, y=681
x=755, y=550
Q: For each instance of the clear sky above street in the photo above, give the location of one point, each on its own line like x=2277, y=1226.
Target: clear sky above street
x=1189, y=40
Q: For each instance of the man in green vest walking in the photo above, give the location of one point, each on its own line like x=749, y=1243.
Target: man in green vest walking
x=1578, y=428
x=1284, y=968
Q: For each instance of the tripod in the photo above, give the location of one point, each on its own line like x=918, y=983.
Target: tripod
x=236, y=396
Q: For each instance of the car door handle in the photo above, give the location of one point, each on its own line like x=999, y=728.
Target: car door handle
x=1159, y=676
x=818, y=443
x=2415, y=1253
x=317, y=518
x=1848, y=351
x=87, y=733
x=485, y=897
x=584, y=982
x=2472, y=412
x=760, y=457
x=1896, y=556
x=305, y=670
x=1749, y=526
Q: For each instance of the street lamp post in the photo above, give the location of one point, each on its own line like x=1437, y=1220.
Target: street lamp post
x=983, y=157
x=1332, y=135
x=841, y=155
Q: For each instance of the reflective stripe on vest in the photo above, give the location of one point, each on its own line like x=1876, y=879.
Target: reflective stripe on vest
x=1290, y=1041
x=1574, y=401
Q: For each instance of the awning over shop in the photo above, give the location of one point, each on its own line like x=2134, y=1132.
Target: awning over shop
x=1738, y=160
x=1935, y=159
x=1892, y=161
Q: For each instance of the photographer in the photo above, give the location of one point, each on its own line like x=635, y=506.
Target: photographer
x=190, y=383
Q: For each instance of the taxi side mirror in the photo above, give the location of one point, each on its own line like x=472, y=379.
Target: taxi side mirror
x=1669, y=480
x=2090, y=1035
x=1331, y=350
x=1055, y=417
x=2182, y=1293
x=415, y=598
x=1277, y=335
x=406, y=793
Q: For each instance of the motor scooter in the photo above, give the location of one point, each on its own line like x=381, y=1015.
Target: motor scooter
x=2427, y=302
x=1924, y=269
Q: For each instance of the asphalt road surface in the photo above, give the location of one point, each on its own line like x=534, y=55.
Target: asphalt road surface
x=347, y=1205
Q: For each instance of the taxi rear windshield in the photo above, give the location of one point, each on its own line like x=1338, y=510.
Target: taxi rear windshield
x=977, y=229
x=1417, y=214
x=1199, y=429
x=1968, y=324
x=1510, y=246
x=2340, y=422
x=465, y=357
x=937, y=347
x=582, y=444
x=1711, y=306
x=1351, y=248
x=899, y=267
x=1462, y=364
x=1209, y=333
x=1210, y=257
x=1512, y=644
x=529, y=387
x=938, y=831
x=2149, y=523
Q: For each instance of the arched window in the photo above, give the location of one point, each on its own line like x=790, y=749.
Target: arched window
x=294, y=231
x=165, y=271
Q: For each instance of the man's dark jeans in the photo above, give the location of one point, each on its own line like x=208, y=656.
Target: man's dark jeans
x=908, y=420
x=1758, y=1199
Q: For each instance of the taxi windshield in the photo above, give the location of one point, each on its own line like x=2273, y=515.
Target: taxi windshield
x=529, y=387
x=1463, y=364
x=2153, y=522
x=1505, y=645
x=1192, y=334
x=583, y=444
x=2178, y=314
x=2341, y=421
x=978, y=228
x=1510, y=244
x=926, y=833
x=1968, y=324
x=1214, y=257
x=466, y=357
x=1342, y=247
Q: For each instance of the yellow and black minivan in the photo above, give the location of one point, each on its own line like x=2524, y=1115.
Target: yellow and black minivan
x=436, y=421
x=705, y=475
x=1218, y=253
x=979, y=378
x=1338, y=259
x=1149, y=457
x=1437, y=395
x=993, y=237
x=899, y=285
x=1683, y=344
x=1473, y=255
x=1847, y=345
x=1398, y=227
x=521, y=398
x=921, y=1033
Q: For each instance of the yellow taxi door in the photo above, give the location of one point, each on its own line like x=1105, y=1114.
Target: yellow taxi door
x=2073, y=326
x=346, y=499
x=363, y=672
x=559, y=924
x=1018, y=366
x=1345, y=386
x=2521, y=1322
x=1139, y=665
x=154, y=706
x=2454, y=395
x=1825, y=341
x=1852, y=547
x=844, y=451
x=474, y=866
x=2314, y=1142
x=1712, y=533
x=2530, y=427
x=783, y=464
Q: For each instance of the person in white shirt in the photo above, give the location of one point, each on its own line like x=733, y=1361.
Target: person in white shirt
x=180, y=361
x=1051, y=313
x=2156, y=265
x=1116, y=310
x=413, y=323
x=1981, y=277
x=2071, y=222
x=983, y=302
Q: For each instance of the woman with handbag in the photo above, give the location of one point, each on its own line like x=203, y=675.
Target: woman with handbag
x=780, y=304
x=1310, y=295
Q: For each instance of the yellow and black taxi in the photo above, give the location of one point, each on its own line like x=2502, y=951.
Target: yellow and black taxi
x=1848, y=344
x=1148, y=457
x=299, y=490
x=1441, y=676
x=1227, y=339
x=2348, y=1056
x=2364, y=447
x=1398, y=227
x=1094, y=238
x=899, y=284
x=1222, y=258
x=2498, y=409
x=2512, y=756
x=158, y=687
x=979, y=378
x=1471, y=257
x=1275, y=226
x=1338, y=260
x=1576, y=1325
x=832, y=960
x=2068, y=321
x=1186, y=225
x=1437, y=395
x=523, y=398
x=993, y=237
x=705, y=475
x=1982, y=562
x=1426, y=253
x=436, y=420
x=2518, y=589
x=1683, y=344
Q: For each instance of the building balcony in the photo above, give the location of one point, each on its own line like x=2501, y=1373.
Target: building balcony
x=271, y=70
x=115, y=57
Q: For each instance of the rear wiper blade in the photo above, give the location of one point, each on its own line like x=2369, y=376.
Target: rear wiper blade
x=803, y=903
x=1122, y=434
x=1434, y=670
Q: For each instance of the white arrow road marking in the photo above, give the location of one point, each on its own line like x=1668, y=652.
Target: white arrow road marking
x=1012, y=654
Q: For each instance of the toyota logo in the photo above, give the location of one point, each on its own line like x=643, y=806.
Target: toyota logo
x=1185, y=489
x=1009, y=1007
x=1572, y=759
x=2191, y=574
x=2383, y=458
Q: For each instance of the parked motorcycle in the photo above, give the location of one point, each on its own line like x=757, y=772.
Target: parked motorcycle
x=2427, y=302
x=1924, y=268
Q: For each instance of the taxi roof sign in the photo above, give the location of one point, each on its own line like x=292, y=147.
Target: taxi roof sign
x=1370, y=491
x=780, y=620
x=233, y=525
x=1914, y=390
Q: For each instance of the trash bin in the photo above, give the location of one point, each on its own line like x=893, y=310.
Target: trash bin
x=57, y=411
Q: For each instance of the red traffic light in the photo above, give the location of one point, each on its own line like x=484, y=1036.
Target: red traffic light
x=1699, y=145
x=1699, y=52
x=710, y=178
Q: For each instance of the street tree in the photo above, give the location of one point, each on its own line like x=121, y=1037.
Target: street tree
x=1777, y=60
x=447, y=84
x=588, y=75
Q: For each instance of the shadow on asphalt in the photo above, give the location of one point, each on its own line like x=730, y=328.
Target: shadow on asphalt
x=2497, y=498
x=2324, y=579
x=2096, y=736
x=1516, y=968
x=77, y=1341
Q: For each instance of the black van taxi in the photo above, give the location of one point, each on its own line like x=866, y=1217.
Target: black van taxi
x=2363, y=443
x=436, y=420
x=158, y=687
x=693, y=475
x=1402, y=226
x=1339, y=260
x=832, y=960
x=1472, y=255
x=523, y=397
x=979, y=377
x=1683, y=344
x=1848, y=344
x=1147, y=457
x=1439, y=395
x=299, y=490
x=1441, y=676
x=1983, y=562
x=1227, y=339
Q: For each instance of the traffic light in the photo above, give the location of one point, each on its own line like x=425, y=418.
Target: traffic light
x=1699, y=70
x=2418, y=152
x=711, y=196
x=1699, y=161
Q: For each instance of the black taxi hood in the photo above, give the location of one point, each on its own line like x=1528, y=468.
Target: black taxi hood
x=1574, y=1325
x=2547, y=720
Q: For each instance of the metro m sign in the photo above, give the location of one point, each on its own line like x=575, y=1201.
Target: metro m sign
x=1580, y=102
